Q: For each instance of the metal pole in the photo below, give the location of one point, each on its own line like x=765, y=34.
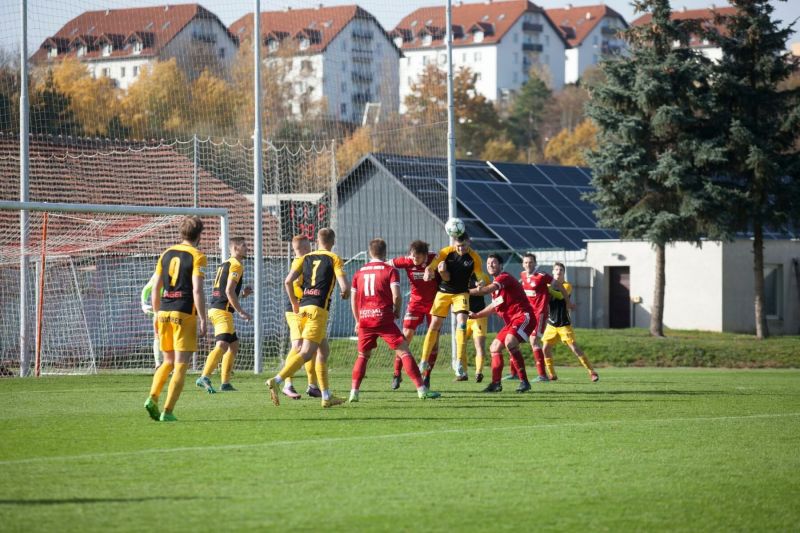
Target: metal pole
x=224, y=237
x=194, y=171
x=334, y=203
x=23, y=190
x=258, y=253
x=451, y=155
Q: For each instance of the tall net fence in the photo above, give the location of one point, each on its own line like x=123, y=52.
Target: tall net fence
x=149, y=104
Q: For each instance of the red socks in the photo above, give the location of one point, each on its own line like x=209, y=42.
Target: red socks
x=398, y=365
x=512, y=365
x=411, y=368
x=538, y=357
x=497, y=367
x=359, y=369
x=516, y=356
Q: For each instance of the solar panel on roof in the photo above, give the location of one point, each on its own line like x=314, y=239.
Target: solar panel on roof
x=516, y=173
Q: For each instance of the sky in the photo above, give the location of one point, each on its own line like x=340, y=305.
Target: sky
x=45, y=17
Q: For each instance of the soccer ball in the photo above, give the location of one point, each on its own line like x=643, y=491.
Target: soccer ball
x=454, y=227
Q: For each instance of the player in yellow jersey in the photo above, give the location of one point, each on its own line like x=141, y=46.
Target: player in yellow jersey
x=455, y=264
x=321, y=270
x=300, y=246
x=180, y=312
x=477, y=327
x=224, y=302
x=559, y=326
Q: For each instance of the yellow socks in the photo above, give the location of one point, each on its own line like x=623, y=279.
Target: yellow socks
x=585, y=362
x=548, y=364
x=431, y=338
x=227, y=367
x=292, y=365
x=322, y=374
x=461, y=346
x=213, y=360
x=311, y=371
x=175, y=386
x=479, y=364
x=159, y=378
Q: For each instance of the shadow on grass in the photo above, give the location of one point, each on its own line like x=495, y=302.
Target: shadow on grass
x=81, y=501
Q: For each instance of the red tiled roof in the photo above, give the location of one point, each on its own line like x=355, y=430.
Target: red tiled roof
x=320, y=24
x=155, y=27
x=498, y=17
x=144, y=174
x=576, y=22
x=706, y=15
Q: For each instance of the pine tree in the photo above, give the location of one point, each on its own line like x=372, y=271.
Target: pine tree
x=527, y=113
x=654, y=143
x=760, y=125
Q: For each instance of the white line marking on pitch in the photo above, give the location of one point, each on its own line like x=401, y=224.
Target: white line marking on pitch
x=332, y=440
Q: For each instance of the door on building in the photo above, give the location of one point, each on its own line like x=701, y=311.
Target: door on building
x=619, y=295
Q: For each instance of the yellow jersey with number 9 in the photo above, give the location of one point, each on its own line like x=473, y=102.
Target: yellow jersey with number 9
x=319, y=270
x=176, y=266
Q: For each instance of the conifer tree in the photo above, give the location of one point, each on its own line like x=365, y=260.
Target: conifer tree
x=654, y=143
x=760, y=124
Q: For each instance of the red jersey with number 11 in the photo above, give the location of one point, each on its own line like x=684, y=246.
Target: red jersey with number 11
x=372, y=289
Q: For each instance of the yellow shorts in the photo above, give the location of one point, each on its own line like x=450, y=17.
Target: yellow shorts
x=221, y=320
x=294, y=325
x=553, y=333
x=177, y=331
x=477, y=326
x=313, y=323
x=443, y=301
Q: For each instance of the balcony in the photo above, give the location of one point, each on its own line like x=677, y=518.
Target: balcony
x=532, y=47
x=608, y=32
x=531, y=26
x=360, y=98
x=361, y=77
x=366, y=35
x=363, y=59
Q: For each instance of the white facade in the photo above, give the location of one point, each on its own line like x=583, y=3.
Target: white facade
x=359, y=66
x=503, y=67
x=708, y=288
x=602, y=40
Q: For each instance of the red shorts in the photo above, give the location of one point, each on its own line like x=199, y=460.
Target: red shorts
x=415, y=315
x=541, y=321
x=368, y=337
x=521, y=327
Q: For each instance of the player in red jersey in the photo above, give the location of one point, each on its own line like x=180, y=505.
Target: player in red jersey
x=511, y=304
x=535, y=285
x=376, y=303
x=419, y=304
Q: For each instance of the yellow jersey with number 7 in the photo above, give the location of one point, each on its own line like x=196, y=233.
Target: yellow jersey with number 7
x=319, y=270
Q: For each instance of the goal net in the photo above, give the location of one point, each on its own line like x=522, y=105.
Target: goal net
x=85, y=271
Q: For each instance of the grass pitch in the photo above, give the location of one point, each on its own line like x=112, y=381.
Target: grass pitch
x=643, y=449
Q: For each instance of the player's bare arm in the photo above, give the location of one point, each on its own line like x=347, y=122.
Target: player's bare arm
x=484, y=290
x=354, y=309
x=199, y=302
x=486, y=311
x=443, y=272
x=344, y=286
x=233, y=299
x=397, y=299
x=288, y=286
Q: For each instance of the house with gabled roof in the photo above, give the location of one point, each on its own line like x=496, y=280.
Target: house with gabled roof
x=592, y=33
x=499, y=41
x=119, y=43
x=704, y=17
x=339, y=57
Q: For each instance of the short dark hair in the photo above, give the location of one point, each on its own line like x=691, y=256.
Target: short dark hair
x=497, y=257
x=461, y=238
x=531, y=255
x=191, y=228
x=236, y=241
x=418, y=247
x=558, y=264
x=327, y=236
x=377, y=248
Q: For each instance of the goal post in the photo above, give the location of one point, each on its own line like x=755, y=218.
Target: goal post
x=87, y=265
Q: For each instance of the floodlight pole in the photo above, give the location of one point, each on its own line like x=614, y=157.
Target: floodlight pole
x=451, y=150
x=258, y=252
x=24, y=169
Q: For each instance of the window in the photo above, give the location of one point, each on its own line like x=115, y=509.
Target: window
x=773, y=291
x=135, y=71
x=304, y=44
x=52, y=52
x=305, y=66
x=427, y=39
x=81, y=50
x=424, y=60
x=221, y=53
x=272, y=45
x=106, y=72
x=343, y=109
x=137, y=47
x=121, y=72
x=478, y=37
x=398, y=42
x=478, y=76
x=477, y=56
x=107, y=49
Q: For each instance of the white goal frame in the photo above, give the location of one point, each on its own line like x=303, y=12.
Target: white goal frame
x=24, y=207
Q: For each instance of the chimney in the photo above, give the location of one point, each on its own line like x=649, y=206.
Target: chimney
x=569, y=6
x=588, y=15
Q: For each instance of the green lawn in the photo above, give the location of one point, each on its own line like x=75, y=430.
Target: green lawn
x=644, y=449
